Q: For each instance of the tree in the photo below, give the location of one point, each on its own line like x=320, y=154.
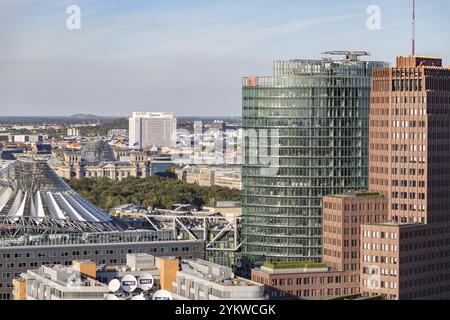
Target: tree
x=154, y=191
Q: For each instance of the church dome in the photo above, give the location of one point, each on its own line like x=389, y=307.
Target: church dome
x=97, y=151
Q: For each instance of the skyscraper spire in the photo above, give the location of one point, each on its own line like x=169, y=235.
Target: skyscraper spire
x=414, y=29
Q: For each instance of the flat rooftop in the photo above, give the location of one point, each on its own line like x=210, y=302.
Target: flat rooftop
x=358, y=195
x=294, y=265
x=66, y=277
x=396, y=224
x=215, y=273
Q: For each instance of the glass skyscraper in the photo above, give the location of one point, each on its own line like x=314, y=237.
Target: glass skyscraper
x=310, y=123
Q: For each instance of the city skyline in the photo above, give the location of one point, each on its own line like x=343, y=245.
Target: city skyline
x=224, y=150
x=180, y=57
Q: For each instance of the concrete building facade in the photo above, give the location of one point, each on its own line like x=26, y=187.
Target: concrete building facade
x=18, y=259
x=149, y=129
x=59, y=283
x=202, y=280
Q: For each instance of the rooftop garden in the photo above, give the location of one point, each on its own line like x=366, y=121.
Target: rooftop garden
x=294, y=265
x=359, y=196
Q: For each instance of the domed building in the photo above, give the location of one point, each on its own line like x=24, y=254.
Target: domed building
x=98, y=159
x=97, y=151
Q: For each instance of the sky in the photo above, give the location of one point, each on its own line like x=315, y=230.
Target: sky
x=185, y=56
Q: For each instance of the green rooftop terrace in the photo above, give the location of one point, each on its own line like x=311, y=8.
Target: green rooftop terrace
x=294, y=265
x=358, y=195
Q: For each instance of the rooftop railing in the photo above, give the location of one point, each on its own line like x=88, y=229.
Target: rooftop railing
x=140, y=236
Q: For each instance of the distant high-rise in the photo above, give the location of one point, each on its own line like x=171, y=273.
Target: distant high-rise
x=316, y=112
x=149, y=129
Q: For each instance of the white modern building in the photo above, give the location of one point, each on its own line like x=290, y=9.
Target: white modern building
x=61, y=283
x=149, y=129
x=26, y=138
x=73, y=132
x=118, y=133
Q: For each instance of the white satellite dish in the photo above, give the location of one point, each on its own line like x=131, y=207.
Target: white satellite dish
x=111, y=297
x=138, y=297
x=129, y=283
x=162, y=295
x=146, y=281
x=114, y=285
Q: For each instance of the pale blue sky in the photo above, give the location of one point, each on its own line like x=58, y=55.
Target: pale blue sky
x=185, y=56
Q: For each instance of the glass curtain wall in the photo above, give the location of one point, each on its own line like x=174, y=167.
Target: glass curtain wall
x=316, y=112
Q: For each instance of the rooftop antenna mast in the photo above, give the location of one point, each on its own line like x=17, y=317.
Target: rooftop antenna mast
x=414, y=29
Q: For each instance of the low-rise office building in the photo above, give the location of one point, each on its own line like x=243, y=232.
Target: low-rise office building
x=202, y=280
x=339, y=274
x=311, y=281
x=101, y=248
x=183, y=279
x=85, y=280
x=207, y=176
x=58, y=283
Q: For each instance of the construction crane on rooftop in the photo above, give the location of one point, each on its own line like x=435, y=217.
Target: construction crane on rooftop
x=349, y=55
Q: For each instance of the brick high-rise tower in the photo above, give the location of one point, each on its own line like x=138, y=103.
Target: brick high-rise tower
x=409, y=162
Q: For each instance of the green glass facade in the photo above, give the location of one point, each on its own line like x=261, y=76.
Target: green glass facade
x=316, y=113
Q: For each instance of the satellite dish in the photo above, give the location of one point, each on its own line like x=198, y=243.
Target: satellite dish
x=111, y=297
x=114, y=285
x=129, y=283
x=146, y=281
x=138, y=297
x=162, y=295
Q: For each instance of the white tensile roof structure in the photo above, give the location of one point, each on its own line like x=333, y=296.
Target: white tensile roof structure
x=33, y=195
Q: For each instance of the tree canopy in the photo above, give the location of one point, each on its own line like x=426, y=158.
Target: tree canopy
x=157, y=192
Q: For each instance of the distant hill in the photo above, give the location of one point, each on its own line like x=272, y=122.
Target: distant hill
x=84, y=116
